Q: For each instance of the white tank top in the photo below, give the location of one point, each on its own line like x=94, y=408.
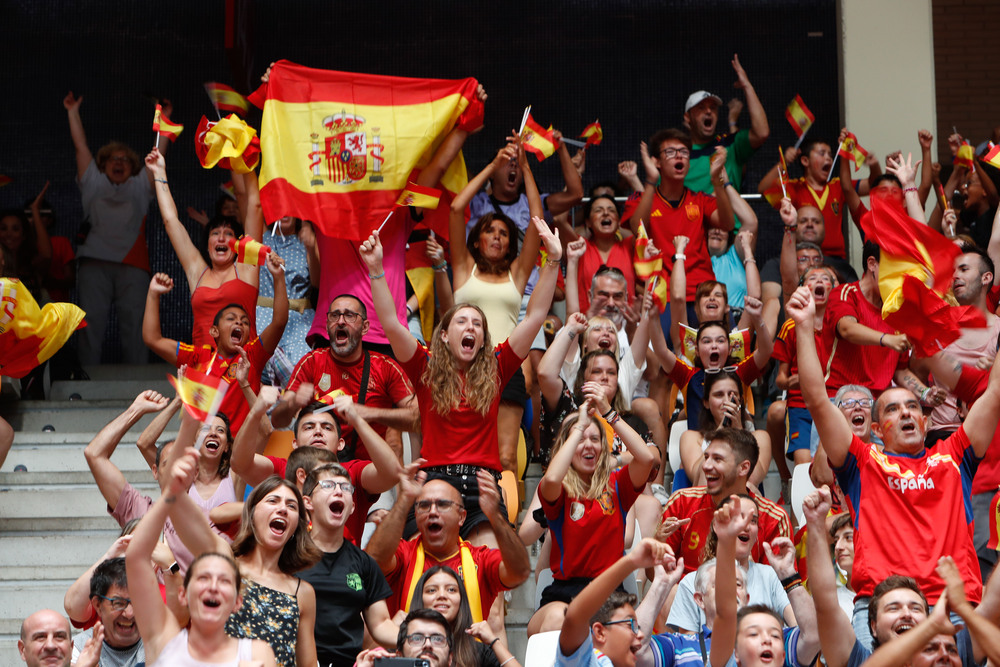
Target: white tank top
x=175, y=654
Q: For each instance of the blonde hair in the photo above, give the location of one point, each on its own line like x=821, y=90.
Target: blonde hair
x=601, y=479
x=593, y=323
x=479, y=385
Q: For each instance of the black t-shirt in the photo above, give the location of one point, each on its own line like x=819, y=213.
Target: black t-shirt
x=346, y=582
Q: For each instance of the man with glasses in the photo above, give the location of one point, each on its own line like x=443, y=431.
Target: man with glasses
x=439, y=516
x=423, y=634
x=109, y=594
x=383, y=394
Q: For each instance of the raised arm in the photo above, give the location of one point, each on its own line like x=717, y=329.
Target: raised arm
x=76, y=602
x=146, y=442
x=443, y=291
x=385, y=539
x=788, y=262
x=384, y=472
x=43, y=244
x=645, y=206
x=906, y=172
x=781, y=556
x=83, y=154
x=244, y=460
x=985, y=635
x=524, y=263
x=834, y=431
x=926, y=177
x=851, y=197
x=642, y=456
x=541, y=298
x=404, y=345
x=551, y=362
x=772, y=176
x=191, y=523
x=678, y=291
x=723, y=216
x=746, y=242
x=515, y=565
x=729, y=521
x=765, y=339
x=191, y=260
x=664, y=580
x=551, y=485
x=903, y=649
x=575, y=250
x=640, y=338
x=271, y=336
x=981, y=421
x=759, y=129
x=152, y=333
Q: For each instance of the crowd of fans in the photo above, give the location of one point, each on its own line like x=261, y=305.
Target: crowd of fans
x=344, y=554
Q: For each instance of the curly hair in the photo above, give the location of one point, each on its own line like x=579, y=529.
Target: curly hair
x=299, y=551
x=480, y=384
x=600, y=481
x=618, y=403
x=104, y=153
x=472, y=240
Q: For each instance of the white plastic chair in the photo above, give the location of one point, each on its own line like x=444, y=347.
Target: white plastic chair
x=802, y=486
x=541, y=649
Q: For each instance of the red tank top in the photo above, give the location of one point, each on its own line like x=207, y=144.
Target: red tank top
x=206, y=302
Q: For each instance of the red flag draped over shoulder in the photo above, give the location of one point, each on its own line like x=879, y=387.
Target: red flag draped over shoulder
x=915, y=271
x=338, y=147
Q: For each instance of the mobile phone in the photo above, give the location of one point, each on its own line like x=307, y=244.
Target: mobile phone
x=401, y=662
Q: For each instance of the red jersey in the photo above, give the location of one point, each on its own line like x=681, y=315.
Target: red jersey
x=694, y=503
x=463, y=435
x=690, y=218
x=785, y=350
x=387, y=386
x=620, y=257
x=870, y=366
x=830, y=202
x=487, y=572
x=908, y=511
x=363, y=501
x=207, y=360
x=589, y=535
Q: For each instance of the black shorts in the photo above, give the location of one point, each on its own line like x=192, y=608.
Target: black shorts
x=467, y=485
x=564, y=590
x=515, y=391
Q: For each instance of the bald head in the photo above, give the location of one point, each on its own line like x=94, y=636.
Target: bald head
x=811, y=228
x=45, y=640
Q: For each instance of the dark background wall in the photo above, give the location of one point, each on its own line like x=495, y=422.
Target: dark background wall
x=630, y=63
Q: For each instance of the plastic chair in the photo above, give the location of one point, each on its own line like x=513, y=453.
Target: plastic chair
x=541, y=649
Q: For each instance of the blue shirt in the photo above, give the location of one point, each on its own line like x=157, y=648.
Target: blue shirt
x=673, y=649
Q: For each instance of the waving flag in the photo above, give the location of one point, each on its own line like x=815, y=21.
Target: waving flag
x=915, y=271
x=167, y=128
x=4, y=180
x=852, y=150
x=229, y=143
x=799, y=116
x=965, y=156
x=225, y=98
x=419, y=196
x=992, y=156
x=201, y=394
x=339, y=146
x=537, y=139
x=650, y=270
x=593, y=133
x=249, y=251
x=30, y=335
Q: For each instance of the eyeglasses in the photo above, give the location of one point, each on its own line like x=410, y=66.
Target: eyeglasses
x=851, y=402
x=118, y=158
x=329, y=485
x=442, y=505
x=724, y=369
x=682, y=153
x=419, y=638
x=805, y=259
x=118, y=604
x=349, y=316
x=633, y=626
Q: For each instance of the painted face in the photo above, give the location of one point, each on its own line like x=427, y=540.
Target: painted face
x=820, y=283
x=211, y=594
x=219, y=251
x=216, y=442
x=760, y=641
x=703, y=118
x=233, y=330
x=899, y=611
x=331, y=507
x=673, y=160
x=858, y=412
x=465, y=335
x=723, y=392
x=494, y=241
x=901, y=422
x=808, y=258
x=438, y=656
x=712, y=306
x=819, y=162
x=438, y=524
x=11, y=233
x=601, y=336
x=719, y=466
x=968, y=282
x=588, y=451
x=443, y=594
x=603, y=219
x=319, y=430
x=346, y=326
x=602, y=370
x=120, y=630
x=811, y=226
x=118, y=169
x=47, y=641
x=621, y=644
x=713, y=347
x=609, y=295
x=276, y=518
x=717, y=241
x=843, y=548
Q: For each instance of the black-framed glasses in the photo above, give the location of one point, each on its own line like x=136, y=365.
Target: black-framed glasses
x=851, y=402
x=632, y=624
x=330, y=484
x=418, y=639
x=676, y=152
x=118, y=604
x=724, y=369
x=442, y=505
x=349, y=316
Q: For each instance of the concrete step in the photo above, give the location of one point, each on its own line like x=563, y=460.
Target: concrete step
x=124, y=387
x=52, y=556
x=77, y=501
x=20, y=598
x=55, y=457
x=113, y=372
x=79, y=416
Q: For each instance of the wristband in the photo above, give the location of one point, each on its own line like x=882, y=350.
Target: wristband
x=175, y=568
x=790, y=229
x=552, y=262
x=381, y=275
x=681, y=256
x=506, y=661
x=653, y=182
x=881, y=338
x=790, y=582
x=160, y=180
x=609, y=412
x=245, y=386
x=440, y=267
x=905, y=190
x=748, y=260
x=495, y=640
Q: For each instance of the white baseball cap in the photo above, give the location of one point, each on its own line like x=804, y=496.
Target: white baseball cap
x=697, y=98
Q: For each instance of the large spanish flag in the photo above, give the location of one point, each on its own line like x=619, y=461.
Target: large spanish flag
x=29, y=335
x=915, y=271
x=339, y=146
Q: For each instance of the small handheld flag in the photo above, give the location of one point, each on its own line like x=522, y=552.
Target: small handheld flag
x=538, y=140
x=782, y=171
x=851, y=149
x=225, y=98
x=650, y=269
x=249, y=251
x=156, y=124
x=992, y=156
x=169, y=129
x=593, y=133
x=201, y=394
x=965, y=156
x=800, y=118
x=419, y=196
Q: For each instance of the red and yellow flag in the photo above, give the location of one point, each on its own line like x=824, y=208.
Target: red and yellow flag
x=30, y=335
x=852, y=150
x=201, y=394
x=156, y=117
x=339, y=146
x=4, y=180
x=799, y=116
x=419, y=196
x=915, y=271
x=249, y=251
x=537, y=139
x=650, y=270
x=992, y=156
x=166, y=127
x=225, y=98
x=229, y=143
x=229, y=188
x=965, y=156
x=593, y=133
